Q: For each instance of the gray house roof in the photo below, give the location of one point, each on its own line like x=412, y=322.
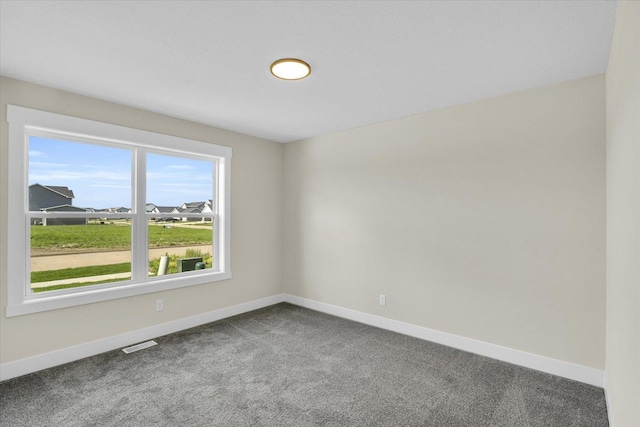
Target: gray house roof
x=196, y=209
x=192, y=205
x=164, y=209
x=119, y=209
x=42, y=196
x=64, y=208
x=64, y=191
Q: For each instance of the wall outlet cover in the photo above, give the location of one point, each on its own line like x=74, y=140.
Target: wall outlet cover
x=383, y=299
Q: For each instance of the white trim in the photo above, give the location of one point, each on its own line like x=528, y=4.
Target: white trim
x=557, y=367
x=140, y=222
x=529, y=360
x=608, y=402
x=77, y=128
x=64, y=298
x=80, y=351
x=24, y=122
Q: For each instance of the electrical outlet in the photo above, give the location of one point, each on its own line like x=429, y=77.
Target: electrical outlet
x=159, y=305
x=383, y=299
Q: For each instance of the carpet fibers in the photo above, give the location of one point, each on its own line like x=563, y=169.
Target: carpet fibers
x=289, y=366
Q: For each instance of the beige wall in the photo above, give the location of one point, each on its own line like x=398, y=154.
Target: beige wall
x=256, y=227
x=485, y=220
x=623, y=217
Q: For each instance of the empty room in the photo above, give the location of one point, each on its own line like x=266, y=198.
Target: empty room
x=305, y=213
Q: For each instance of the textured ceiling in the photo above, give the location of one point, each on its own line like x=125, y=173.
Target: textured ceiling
x=209, y=61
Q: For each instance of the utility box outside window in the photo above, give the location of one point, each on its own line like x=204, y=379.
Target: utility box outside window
x=188, y=264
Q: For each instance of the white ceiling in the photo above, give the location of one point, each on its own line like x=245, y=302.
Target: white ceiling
x=209, y=61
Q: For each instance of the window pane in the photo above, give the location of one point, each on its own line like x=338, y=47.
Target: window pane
x=178, y=185
x=185, y=244
x=75, y=176
x=63, y=179
x=71, y=252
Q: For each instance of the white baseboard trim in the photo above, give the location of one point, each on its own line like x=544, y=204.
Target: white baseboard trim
x=557, y=367
x=608, y=403
x=70, y=354
x=541, y=363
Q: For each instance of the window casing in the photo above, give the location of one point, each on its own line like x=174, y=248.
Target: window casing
x=26, y=123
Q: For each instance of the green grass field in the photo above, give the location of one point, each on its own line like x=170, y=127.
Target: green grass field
x=72, y=273
x=99, y=270
x=107, y=236
x=73, y=285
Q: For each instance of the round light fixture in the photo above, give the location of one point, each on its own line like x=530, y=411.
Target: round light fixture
x=290, y=69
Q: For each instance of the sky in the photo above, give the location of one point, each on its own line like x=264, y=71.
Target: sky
x=100, y=177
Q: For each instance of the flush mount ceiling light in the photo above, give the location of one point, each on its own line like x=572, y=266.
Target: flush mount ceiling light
x=290, y=69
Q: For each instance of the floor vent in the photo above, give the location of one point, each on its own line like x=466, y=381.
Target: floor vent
x=140, y=346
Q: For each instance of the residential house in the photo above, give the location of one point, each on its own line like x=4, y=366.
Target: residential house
x=193, y=207
x=163, y=209
x=163, y=213
x=53, y=198
x=63, y=221
x=120, y=209
x=45, y=196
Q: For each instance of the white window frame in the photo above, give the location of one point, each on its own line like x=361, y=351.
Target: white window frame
x=24, y=122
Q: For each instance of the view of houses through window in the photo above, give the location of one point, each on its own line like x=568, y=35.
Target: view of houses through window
x=81, y=213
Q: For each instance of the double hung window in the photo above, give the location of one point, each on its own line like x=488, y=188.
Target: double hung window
x=98, y=211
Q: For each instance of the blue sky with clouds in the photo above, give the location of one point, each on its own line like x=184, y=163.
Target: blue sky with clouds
x=100, y=176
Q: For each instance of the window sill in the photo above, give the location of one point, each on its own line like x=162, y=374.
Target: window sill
x=93, y=295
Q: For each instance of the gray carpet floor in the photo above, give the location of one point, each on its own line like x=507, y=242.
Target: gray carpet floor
x=289, y=366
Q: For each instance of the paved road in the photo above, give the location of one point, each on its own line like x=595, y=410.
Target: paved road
x=56, y=262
